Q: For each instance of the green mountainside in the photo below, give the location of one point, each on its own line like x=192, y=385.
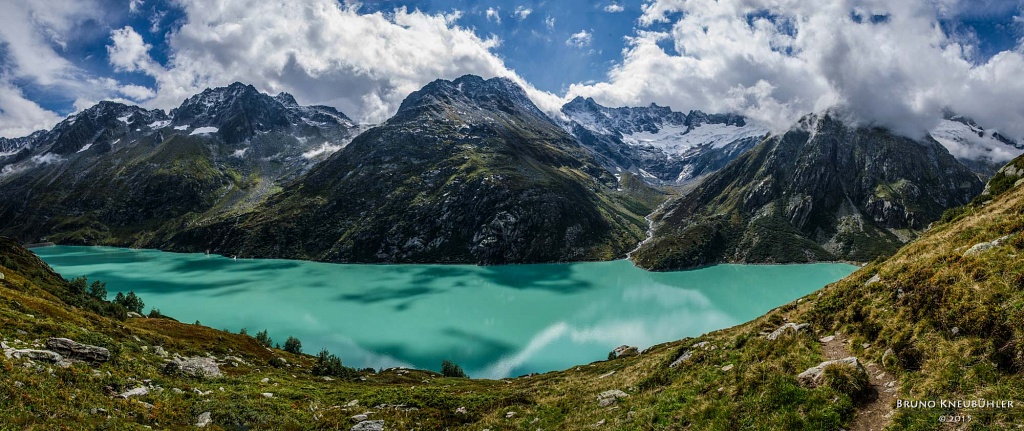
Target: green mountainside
x=942, y=319
x=823, y=191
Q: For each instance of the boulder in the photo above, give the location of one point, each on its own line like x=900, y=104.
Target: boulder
x=77, y=351
x=137, y=392
x=786, y=328
x=813, y=376
x=134, y=315
x=624, y=351
x=203, y=420
x=38, y=355
x=2, y=276
x=607, y=398
x=159, y=351
x=369, y=426
x=198, y=367
x=985, y=246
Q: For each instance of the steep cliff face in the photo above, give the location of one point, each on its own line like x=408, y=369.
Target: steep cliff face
x=466, y=171
x=822, y=191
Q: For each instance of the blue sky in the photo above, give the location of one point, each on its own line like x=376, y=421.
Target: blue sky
x=766, y=61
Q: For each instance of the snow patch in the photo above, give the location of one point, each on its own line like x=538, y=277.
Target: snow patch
x=677, y=139
x=89, y=145
x=325, y=148
x=203, y=130
x=161, y=124
x=973, y=143
x=240, y=153
x=123, y=119
x=185, y=127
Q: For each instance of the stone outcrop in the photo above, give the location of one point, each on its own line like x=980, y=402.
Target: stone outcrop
x=814, y=376
x=198, y=367
x=77, y=351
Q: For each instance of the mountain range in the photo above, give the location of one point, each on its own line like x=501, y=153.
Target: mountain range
x=471, y=171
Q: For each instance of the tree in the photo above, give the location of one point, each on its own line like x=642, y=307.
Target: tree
x=78, y=285
x=130, y=302
x=293, y=345
x=450, y=369
x=330, y=365
x=243, y=331
x=264, y=339
x=98, y=289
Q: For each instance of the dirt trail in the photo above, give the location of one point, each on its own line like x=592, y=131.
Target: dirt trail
x=877, y=412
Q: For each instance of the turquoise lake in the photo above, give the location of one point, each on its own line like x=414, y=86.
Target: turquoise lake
x=494, y=321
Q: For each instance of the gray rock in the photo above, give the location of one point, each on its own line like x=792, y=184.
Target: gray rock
x=137, y=392
x=682, y=358
x=134, y=315
x=369, y=426
x=461, y=411
x=812, y=377
x=159, y=351
x=235, y=361
x=728, y=367
x=2, y=277
x=607, y=398
x=38, y=355
x=77, y=351
x=203, y=420
x=874, y=279
x=624, y=351
x=360, y=417
x=787, y=327
x=267, y=395
x=827, y=339
x=985, y=246
x=198, y=367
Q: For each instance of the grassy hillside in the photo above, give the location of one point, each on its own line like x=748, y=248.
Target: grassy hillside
x=940, y=320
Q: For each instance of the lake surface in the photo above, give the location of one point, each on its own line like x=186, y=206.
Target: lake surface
x=494, y=321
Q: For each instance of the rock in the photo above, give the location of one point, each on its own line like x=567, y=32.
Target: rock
x=134, y=315
x=874, y=279
x=787, y=327
x=2, y=276
x=177, y=391
x=812, y=377
x=985, y=246
x=682, y=358
x=235, y=361
x=97, y=411
x=265, y=380
x=267, y=395
x=352, y=403
x=77, y=351
x=159, y=351
x=955, y=330
x=607, y=398
x=599, y=423
x=137, y=392
x=827, y=339
x=369, y=426
x=624, y=351
x=360, y=417
x=728, y=367
x=38, y=355
x=461, y=411
x=606, y=374
x=509, y=415
x=203, y=420
x=198, y=367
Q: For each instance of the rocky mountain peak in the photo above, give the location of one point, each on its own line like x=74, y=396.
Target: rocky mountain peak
x=469, y=93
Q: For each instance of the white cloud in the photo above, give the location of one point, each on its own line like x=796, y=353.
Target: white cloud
x=20, y=116
x=134, y=5
x=364, y=64
x=493, y=14
x=728, y=56
x=581, y=39
x=549, y=22
x=522, y=12
x=614, y=8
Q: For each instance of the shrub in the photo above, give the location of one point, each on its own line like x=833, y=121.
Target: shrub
x=131, y=301
x=155, y=314
x=450, y=369
x=847, y=380
x=264, y=339
x=98, y=290
x=243, y=331
x=293, y=345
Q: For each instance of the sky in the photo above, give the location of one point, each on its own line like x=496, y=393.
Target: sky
x=891, y=64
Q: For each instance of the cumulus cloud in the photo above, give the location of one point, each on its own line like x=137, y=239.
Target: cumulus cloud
x=20, y=116
x=614, y=8
x=887, y=63
x=581, y=39
x=549, y=22
x=364, y=64
x=523, y=12
x=134, y=5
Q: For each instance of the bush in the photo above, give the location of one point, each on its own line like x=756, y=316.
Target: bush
x=155, y=314
x=293, y=345
x=847, y=380
x=98, y=290
x=264, y=339
x=243, y=331
x=131, y=301
x=450, y=369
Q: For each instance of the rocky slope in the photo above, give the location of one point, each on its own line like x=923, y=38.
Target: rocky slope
x=466, y=171
x=123, y=175
x=823, y=191
x=940, y=320
x=658, y=144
